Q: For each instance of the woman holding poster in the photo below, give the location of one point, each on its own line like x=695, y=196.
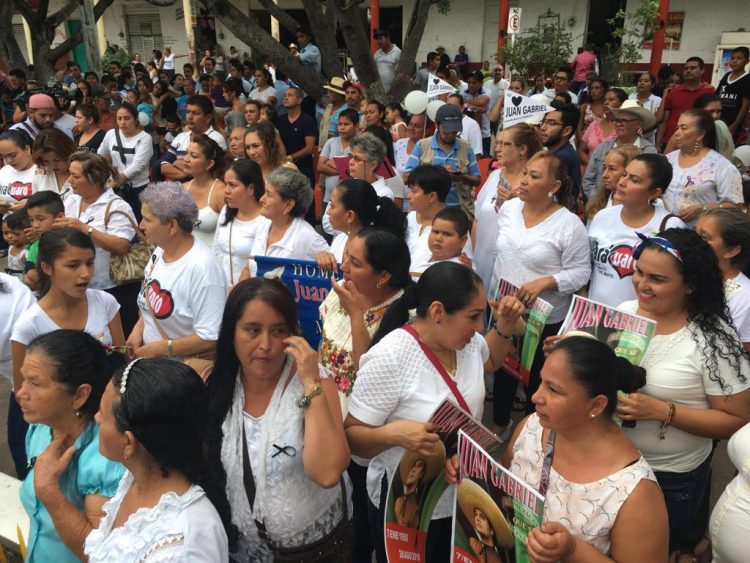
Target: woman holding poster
x=542, y=248
x=599, y=490
x=410, y=369
x=698, y=375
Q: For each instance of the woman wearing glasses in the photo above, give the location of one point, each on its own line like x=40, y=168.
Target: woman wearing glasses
x=697, y=386
x=703, y=179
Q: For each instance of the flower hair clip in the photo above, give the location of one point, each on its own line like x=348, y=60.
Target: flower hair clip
x=125, y=374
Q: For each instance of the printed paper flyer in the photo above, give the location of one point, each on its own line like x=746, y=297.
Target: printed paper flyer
x=419, y=482
x=494, y=510
x=527, y=334
x=627, y=334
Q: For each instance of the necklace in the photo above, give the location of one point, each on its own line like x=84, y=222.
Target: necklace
x=451, y=366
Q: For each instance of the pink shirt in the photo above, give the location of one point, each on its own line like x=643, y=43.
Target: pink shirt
x=582, y=64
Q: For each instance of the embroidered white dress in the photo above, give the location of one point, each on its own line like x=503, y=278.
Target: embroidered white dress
x=180, y=528
x=587, y=510
x=295, y=510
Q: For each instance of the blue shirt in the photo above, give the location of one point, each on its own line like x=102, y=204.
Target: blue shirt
x=89, y=473
x=309, y=56
x=281, y=87
x=442, y=158
x=572, y=164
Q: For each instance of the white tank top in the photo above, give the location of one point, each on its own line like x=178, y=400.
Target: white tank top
x=208, y=219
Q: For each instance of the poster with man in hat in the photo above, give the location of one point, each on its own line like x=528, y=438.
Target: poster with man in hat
x=419, y=483
x=494, y=510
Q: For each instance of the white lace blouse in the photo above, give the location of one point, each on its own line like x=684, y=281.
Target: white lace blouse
x=295, y=510
x=180, y=528
x=587, y=510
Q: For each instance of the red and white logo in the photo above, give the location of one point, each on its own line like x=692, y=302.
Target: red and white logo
x=160, y=300
x=19, y=190
x=621, y=259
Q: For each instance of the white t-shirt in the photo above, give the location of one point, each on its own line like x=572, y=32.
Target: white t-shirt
x=102, y=308
x=424, y=261
x=136, y=163
x=66, y=123
x=187, y=295
x=332, y=148
x=16, y=185
x=263, y=96
x=382, y=189
x=182, y=527
x=612, y=243
x=737, y=292
x=558, y=247
x=15, y=300
x=387, y=63
x=472, y=133
x=338, y=244
x=712, y=180
x=118, y=226
x=168, y=62
x=676, y=371
x=300, y=241
x=181, y=142
x=396, y=381
x=242, y=235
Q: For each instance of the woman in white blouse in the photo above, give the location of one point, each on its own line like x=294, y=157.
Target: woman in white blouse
x=51, y=151
x=398, y=386
x=240, y=218
x=287, y=197
x=274, y=422
x=543, y=249
x=697, y=373
x=129, y=149
x=96, y=211
x=204, y=161
x=702, y=178
x=167, y=501
x=264, y=92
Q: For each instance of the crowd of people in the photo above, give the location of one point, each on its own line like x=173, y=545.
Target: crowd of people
x=165, y=404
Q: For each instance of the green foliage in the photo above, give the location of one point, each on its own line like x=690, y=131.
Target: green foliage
x=443, y=6
x=121, y=55
x=539, y=51
x=629, y=30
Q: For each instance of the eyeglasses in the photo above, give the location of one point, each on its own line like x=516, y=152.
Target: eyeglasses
x=551, y=123
x=357, y=159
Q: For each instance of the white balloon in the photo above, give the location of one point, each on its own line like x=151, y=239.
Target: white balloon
x=144, y=119
x=416, y=102
x=432, y=108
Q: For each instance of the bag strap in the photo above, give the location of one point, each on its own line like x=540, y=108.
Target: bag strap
x=440, y=368
x=549, y=452
x=148, y=302
x=663, y=223
x=120, y=148
x=108, y=214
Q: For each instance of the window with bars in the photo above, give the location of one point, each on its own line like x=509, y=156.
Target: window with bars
x=144, y=33
x=20, y=36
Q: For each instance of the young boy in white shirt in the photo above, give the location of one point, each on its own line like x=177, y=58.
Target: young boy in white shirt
x=447, y=238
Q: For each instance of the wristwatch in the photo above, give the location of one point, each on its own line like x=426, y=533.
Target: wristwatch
x=290, y=160
x=304, y=401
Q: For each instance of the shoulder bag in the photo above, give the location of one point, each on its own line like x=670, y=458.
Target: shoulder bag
x=129, y=267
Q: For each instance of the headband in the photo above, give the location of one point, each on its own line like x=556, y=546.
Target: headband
x=661, y=242
x=125, y=374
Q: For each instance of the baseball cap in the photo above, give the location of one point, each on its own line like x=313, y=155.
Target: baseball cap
x=41, y=101
x=450, y=118
x=357, y=85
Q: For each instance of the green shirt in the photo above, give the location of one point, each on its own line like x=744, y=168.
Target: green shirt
x=32, y=254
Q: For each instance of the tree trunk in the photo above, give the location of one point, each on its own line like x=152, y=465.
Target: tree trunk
x=9, y=49
x=403, y=82
x=323, y=25
x=260, y=40
x=358, y=42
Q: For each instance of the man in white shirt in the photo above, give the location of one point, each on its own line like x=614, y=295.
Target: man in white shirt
x=198, y=119
x=562, y=81
x=386, y=57
x=471, y=132
x=42, y=113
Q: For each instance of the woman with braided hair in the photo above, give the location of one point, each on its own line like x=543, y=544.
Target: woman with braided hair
x=697, y=388
x=152, y=420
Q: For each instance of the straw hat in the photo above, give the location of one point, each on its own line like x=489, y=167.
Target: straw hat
x=470, y=496
x=336, y=85
x=433, y=464
x=632, y=107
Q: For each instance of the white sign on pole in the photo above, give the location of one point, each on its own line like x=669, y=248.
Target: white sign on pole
x=437, y=86
x=519, y=108
x=514, y=21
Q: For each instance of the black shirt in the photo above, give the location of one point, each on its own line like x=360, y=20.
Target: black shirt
x=293, y=136
x=568, y=155
x=92, y=145
x=731, y=96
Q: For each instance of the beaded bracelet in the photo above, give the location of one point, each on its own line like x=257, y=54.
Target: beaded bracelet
x=667, y=421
